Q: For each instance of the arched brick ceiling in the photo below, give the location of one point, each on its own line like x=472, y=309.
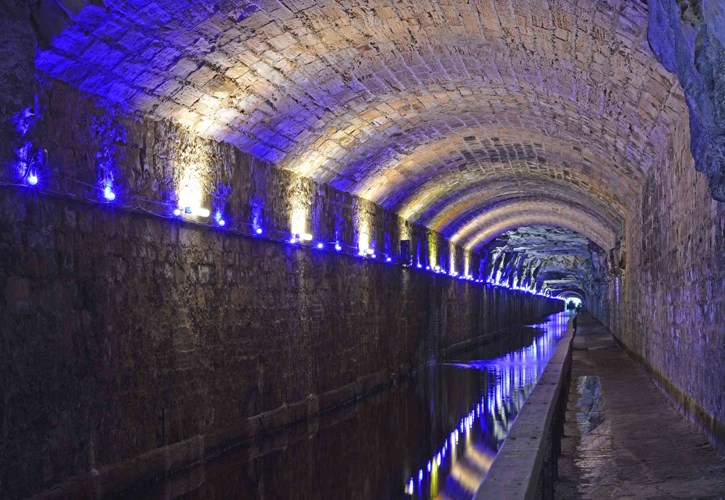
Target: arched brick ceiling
x=488, y=225
x=408, y=104
x=481, y=151
x=443, y=215
x=453, y=163
x=459, y=212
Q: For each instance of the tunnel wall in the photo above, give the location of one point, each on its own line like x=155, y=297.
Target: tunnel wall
x=139, y=342
x=669, y=301
x=135, y=337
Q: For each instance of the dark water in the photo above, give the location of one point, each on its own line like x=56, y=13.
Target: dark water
x=434, y=436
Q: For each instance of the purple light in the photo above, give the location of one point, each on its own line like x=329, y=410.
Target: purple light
x=32, y=179
x=258, y=230
x=108, y=193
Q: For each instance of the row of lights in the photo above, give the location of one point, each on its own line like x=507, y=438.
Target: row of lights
x=109, y=195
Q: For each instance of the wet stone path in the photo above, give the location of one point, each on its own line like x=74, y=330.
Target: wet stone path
x=622, y=438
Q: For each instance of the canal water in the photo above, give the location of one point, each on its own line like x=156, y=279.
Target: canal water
x=434, y=436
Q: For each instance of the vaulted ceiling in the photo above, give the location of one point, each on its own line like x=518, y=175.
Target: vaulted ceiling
x=471, y=117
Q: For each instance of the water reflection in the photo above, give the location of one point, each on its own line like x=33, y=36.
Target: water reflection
x=434, y=436
x=464, y=458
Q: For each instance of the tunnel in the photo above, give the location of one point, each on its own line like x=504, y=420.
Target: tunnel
x=327, y=249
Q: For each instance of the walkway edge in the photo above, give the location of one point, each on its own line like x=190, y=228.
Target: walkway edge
x=526, y=464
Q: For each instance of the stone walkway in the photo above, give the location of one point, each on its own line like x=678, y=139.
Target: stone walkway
x=622, y=437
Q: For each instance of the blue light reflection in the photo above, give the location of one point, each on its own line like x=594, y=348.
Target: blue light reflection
x=473, y=443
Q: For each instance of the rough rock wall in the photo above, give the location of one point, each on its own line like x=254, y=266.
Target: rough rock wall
x=670, y=298
x=688, y=38
x=17, y=38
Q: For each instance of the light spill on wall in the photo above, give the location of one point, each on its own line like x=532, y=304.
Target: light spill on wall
x=433, y=250
x=191, y=187
x=451, y=257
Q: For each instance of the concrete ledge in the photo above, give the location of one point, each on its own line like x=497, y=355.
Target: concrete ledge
x=520, y=469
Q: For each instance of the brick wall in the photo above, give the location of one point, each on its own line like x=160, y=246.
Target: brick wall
x=128, y=333
x=670, y=300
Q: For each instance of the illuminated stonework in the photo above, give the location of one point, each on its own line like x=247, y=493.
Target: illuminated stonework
x=412, y=106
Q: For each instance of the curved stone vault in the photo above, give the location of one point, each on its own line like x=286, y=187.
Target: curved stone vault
x=472, y=118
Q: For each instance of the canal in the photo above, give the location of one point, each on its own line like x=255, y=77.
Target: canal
x=433, y=436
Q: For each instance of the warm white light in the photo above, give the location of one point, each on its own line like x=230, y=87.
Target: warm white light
x=197, y=211
x=298, y=218
x=190, y=192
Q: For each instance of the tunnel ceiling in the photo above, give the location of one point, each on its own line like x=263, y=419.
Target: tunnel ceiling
x=464, y=116
x=544, y=258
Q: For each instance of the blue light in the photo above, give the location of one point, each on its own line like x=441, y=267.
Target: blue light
x=108, y=193
x=428, y=465
x=373, y=256
x=293, y=240
x=177, y=212
x=219, y=220
x=337, y=246
x=187, y=210
x=320, y=246
x=258, y=230
x=32, y=179
x=419, y=266
x=388, y=260
x=420, y=475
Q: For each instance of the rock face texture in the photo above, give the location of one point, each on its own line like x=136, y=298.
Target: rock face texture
x=688, y=37
x=546, y=259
